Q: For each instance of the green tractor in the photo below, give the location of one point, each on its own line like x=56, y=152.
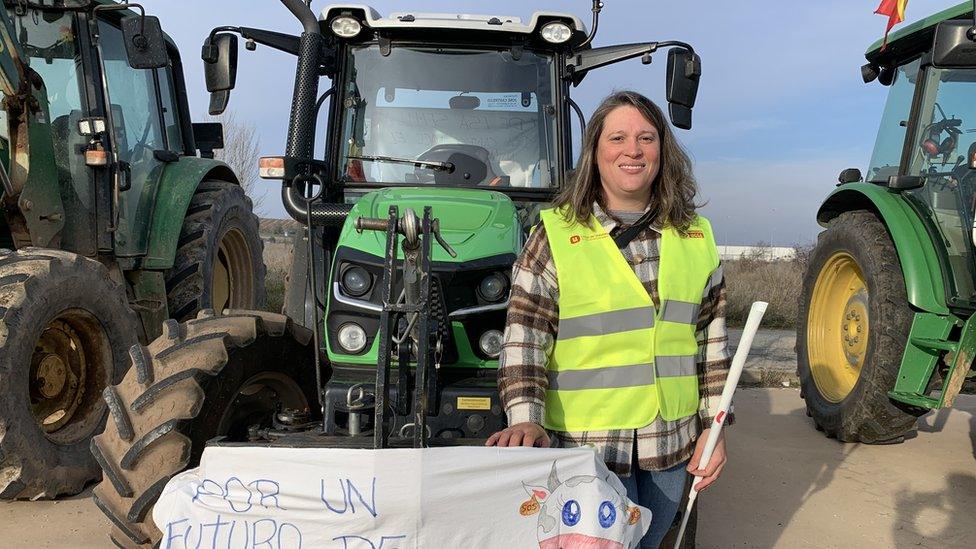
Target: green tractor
x=445, y=136
x=111, y=224
x=886, y=328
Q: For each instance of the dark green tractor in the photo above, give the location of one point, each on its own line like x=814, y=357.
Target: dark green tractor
x=115, y=218
x=886, y=327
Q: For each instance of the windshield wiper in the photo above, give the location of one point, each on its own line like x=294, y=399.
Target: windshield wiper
x=430, y=165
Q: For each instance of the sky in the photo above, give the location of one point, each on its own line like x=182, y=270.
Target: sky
x=781, y=107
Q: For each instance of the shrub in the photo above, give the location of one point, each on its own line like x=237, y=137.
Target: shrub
x=277, y=257
x=778, y=283
x=274, y=285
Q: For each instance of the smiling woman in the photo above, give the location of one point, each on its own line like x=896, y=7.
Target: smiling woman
x=613, y=299
x=620, y=165
x=628, y=155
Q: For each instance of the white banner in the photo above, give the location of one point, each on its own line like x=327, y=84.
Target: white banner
x=288, y=498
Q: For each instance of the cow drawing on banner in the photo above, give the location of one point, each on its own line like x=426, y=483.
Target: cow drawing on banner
x=583, y=512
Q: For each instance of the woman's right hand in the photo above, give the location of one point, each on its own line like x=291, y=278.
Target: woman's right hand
x=526, y=434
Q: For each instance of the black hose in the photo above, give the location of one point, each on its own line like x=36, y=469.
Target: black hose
x=323, y=214
x=597, y=6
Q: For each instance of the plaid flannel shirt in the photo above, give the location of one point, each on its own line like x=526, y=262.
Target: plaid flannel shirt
x=531, y=327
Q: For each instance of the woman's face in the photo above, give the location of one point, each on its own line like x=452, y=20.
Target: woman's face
x=628, y=156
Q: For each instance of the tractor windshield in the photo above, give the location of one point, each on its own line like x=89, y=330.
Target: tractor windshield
x=941, y=151
x=447, y=116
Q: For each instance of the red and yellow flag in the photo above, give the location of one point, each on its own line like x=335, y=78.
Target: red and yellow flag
x=895, y=10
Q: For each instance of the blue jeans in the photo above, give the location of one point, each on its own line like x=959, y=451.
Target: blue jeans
x=659, y=491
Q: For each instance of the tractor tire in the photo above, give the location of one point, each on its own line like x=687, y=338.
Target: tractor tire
x=65, y=331
x=853, y=322
x=219, y=260
x=212, y=376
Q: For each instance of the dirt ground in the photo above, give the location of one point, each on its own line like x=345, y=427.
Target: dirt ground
x=785, y=486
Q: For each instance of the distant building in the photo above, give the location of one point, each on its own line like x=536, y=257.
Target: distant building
x=767, y=253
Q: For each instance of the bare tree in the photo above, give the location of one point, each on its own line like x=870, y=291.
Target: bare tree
x=240, y=152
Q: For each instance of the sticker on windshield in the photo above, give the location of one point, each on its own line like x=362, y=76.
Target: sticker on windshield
x=457, y=101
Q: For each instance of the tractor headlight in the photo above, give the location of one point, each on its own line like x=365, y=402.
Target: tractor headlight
x=492, y=287
x=491, y=343
x=356, y=281
x=556, y=32
x=352, y=337
x=345, y=26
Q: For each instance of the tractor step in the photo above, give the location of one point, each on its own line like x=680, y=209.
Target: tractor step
x=958, y=356
x=960, y=362
x=935, y=344
x=915, y=399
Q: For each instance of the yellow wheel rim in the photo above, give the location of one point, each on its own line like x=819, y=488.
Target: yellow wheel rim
x=838, y=327
x=233, y=274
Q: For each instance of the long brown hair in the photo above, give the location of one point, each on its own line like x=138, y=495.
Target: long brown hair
x=672, y=191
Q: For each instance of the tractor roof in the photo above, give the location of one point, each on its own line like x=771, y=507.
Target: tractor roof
x=915, y=38
x=452, y=21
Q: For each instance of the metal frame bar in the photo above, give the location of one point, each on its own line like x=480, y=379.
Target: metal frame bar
x=381, y=436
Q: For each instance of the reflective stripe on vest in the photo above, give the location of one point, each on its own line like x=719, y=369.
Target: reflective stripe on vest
x=681, y=312
x=606, y=323
x=617, y=362
x=602, y=378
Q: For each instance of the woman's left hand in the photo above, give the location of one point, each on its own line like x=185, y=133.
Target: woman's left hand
x=715, y=465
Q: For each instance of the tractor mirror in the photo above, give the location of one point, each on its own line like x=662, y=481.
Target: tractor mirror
x=849, y=175
x=952, y=46
x=145, y=47
x=220, y=69
x=208, y=136
x=684, y=72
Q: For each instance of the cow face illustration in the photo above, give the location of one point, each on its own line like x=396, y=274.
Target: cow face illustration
x=582, y=512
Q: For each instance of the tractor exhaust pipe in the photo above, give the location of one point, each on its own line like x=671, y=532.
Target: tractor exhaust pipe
x=301, y=125
x=321, y=214
x=304, y=13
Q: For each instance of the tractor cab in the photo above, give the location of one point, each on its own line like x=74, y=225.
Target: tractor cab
x=931, y=151
x=469, y=113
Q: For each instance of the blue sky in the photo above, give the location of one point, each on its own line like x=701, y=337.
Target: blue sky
x=781, y=108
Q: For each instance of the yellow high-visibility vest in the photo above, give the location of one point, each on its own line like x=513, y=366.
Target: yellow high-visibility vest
x=617, y=362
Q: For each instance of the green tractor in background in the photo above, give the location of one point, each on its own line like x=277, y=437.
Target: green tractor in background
x=111, y=224
x=886, y=326
x=446, y=134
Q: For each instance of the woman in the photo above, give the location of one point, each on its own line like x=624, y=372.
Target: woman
x=632, y=366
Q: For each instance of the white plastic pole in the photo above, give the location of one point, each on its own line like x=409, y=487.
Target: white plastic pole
x=738, y=361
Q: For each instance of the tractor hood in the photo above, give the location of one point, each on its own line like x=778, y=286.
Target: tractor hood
x=476, y=223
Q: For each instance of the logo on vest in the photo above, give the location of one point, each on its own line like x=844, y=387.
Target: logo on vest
x=575, y=239
x=695, y=234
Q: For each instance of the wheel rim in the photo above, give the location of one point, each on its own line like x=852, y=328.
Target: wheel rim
x=70, y=365
x=233, y=273
x=258, y=398
x=838, y=327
